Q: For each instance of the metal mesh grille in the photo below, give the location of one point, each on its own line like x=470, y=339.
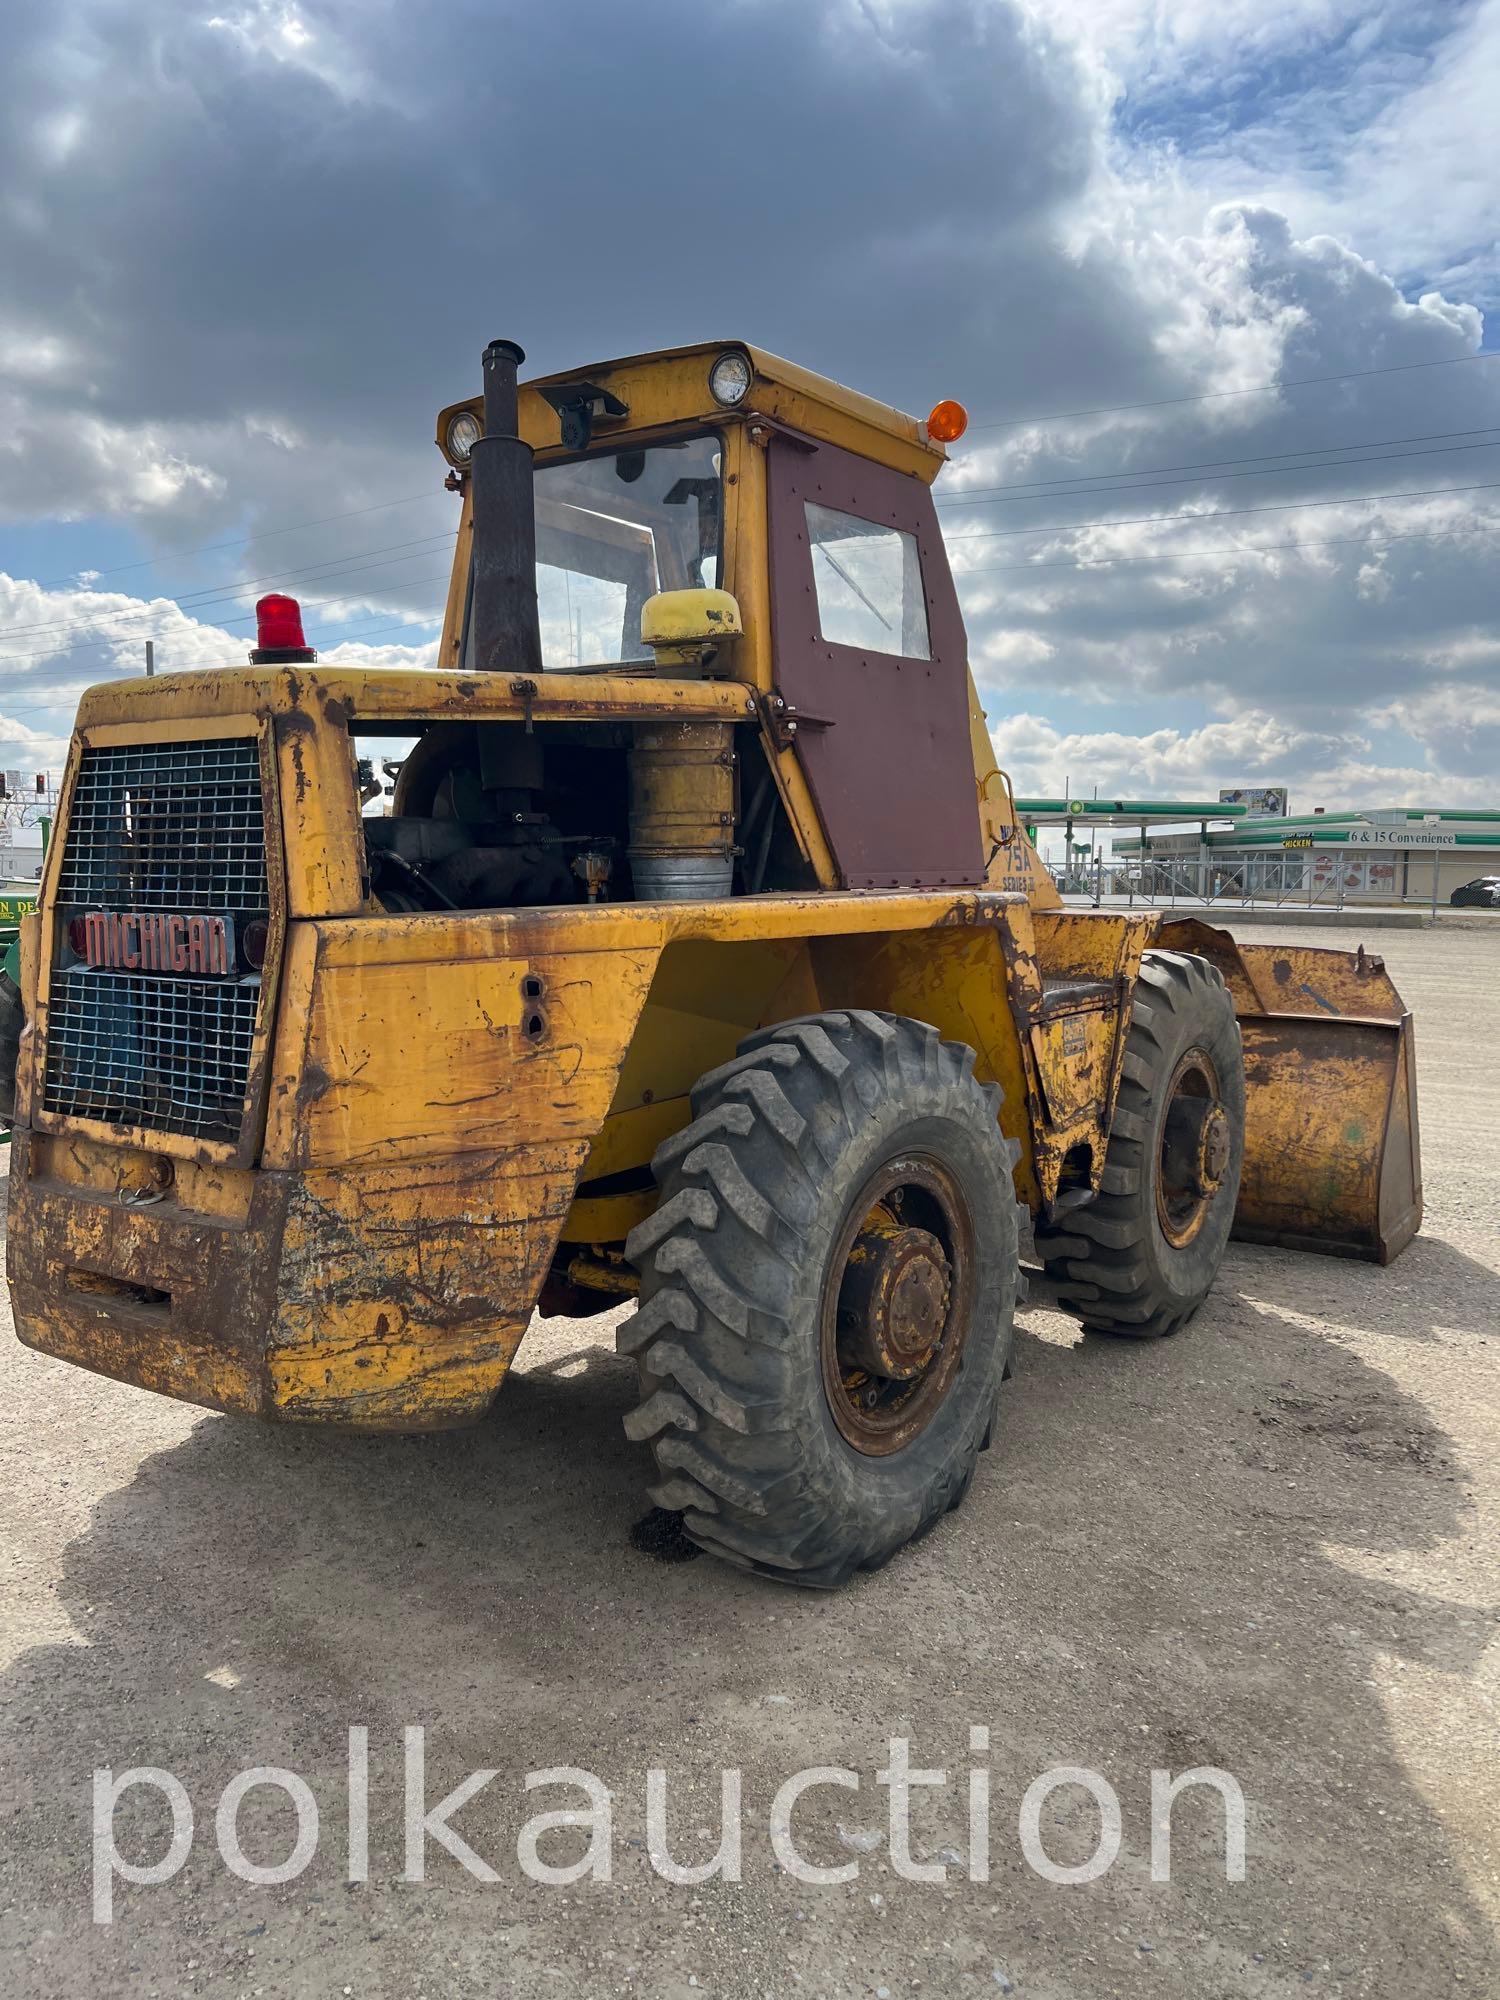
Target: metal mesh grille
x=139, y=1049
x=158, y=826
x=167, y=826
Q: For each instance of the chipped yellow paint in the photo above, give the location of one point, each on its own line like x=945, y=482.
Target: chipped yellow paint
x=201, y=1188
x=448, y=1109
x=406, y=1287
x=748, y=575
x=609, y=1218
x=957, y=981
x=1072, y=1051
x=29, y=939
x=1332, y=1155
x=1011, y=862
x=341, y=696
x=631, y=1133
x=411, y=1060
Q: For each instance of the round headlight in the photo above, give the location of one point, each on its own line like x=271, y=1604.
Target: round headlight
x=729, y=379
x=464, y=432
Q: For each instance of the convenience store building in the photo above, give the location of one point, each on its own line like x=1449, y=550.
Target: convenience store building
x=1390, y=855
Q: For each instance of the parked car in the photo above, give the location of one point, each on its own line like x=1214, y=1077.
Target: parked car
x=1483, y=893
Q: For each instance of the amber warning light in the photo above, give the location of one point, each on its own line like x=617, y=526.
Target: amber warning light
x=278, y=633
x=948, y=422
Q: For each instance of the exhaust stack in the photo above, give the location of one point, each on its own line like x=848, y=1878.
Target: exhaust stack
x=507, y=636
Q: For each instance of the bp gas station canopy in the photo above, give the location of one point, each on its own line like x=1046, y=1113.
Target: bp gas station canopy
x=1411, y=828
x=1140, y=814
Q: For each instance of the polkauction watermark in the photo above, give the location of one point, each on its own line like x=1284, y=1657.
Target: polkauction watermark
x=591, y=1810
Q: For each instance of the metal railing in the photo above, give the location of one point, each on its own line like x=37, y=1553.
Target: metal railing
x=1263, y=881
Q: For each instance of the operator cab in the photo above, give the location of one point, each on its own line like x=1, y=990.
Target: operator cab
x=711, y=512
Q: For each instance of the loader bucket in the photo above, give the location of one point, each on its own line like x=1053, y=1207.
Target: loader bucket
x=1332, y=1160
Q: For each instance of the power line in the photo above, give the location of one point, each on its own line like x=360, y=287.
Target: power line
x=965, y=494
x=312, y=603
x=243, y=542
x=1192, y=555
x=346, y=565
x=1255, y=472
x=1219, y=514
x=1219, y=395
x=1003, y=423
x=211, y=593
x=198, y=600
x=218, y=624
x=326, y=571
x=350, y=638
x=993, y=534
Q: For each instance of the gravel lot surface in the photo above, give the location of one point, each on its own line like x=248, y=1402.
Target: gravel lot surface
x=1268, y=1545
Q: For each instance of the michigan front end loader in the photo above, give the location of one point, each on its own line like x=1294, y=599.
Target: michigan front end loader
x=672, y=939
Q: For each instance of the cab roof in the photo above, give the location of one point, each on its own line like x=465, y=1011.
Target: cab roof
x=669, y=388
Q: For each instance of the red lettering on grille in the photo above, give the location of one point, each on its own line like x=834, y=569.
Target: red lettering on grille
x=148, y=941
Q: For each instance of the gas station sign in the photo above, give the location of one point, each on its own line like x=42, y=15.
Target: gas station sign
x=1398, y=836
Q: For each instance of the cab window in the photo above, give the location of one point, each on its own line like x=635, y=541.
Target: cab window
x=612, y=529
x=869, y=584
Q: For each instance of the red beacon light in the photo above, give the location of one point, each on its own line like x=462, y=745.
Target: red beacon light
x=278, y=633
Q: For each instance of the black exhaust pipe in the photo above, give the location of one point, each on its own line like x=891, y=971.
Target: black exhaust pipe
x=507, y=637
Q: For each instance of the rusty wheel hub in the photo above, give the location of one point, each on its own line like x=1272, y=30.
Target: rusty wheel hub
x=895, y=1298
x=896, y=1304
x=1196, y=1148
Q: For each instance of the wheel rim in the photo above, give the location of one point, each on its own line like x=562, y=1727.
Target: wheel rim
x=896, y=1304
x=1194, y=1157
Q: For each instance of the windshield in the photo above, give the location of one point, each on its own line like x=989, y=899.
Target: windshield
x=611, y=531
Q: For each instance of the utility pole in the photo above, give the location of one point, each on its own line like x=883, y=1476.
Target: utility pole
x=150, y=658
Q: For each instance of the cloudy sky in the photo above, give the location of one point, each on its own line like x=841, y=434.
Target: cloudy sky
x=248, y=253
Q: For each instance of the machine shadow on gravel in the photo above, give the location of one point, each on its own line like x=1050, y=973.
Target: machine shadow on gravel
x=1435, y=1286
x=1157, y=1515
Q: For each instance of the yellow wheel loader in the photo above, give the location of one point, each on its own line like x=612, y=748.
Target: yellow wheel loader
x=673, y=938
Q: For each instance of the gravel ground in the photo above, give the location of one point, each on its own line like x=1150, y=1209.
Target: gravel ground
x=1266, y=1546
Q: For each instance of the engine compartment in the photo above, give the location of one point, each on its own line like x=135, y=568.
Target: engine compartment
x=491, y=815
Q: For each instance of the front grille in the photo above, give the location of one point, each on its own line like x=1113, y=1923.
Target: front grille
x=138, y=1049
x=179, y=828
x=167, y=826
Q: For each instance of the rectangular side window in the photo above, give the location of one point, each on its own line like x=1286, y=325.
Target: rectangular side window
x=869, y=584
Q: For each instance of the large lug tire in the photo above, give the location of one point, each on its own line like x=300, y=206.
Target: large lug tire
x=827, y=1295
x=1141, y=1258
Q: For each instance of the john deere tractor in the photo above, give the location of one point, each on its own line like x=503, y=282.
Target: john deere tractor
x=672, y=938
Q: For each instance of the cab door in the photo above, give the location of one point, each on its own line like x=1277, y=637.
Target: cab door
x=869, y=649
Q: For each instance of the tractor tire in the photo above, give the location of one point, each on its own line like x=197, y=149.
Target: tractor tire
x=1140, y=1259
x=827, y=1293
x=12, y=1021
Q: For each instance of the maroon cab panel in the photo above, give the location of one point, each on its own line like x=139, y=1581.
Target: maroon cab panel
x=861, y=588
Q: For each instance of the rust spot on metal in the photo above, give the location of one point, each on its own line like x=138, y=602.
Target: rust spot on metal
x=296, y=730
x=316, y=1082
